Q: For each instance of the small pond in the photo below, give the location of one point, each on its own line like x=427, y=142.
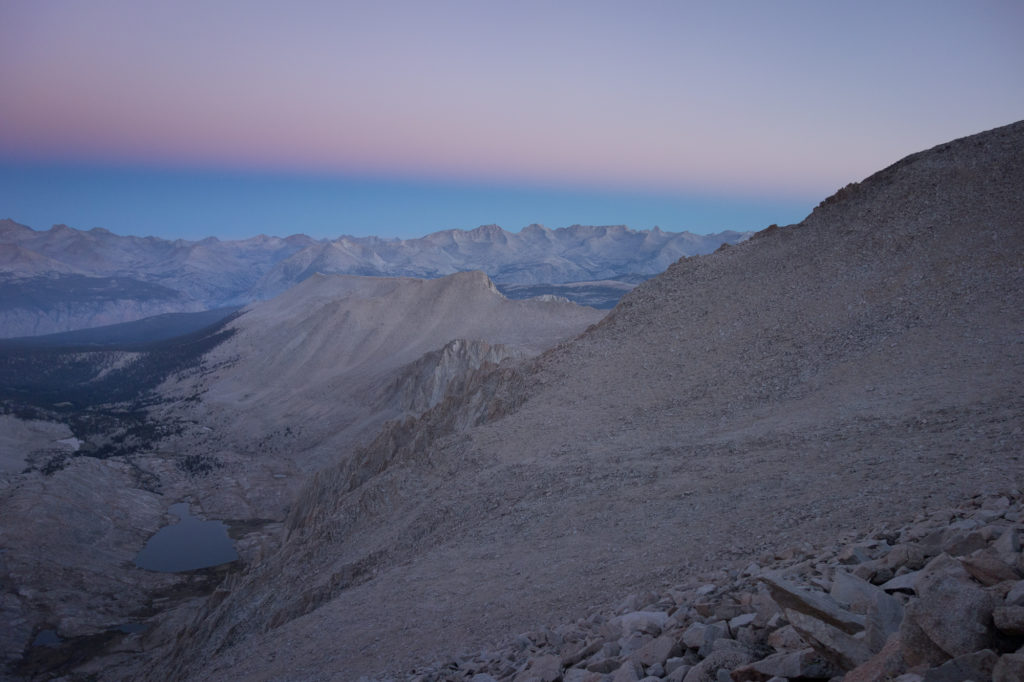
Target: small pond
x=187, y=545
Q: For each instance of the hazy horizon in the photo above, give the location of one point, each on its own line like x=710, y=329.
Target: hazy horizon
x=400, y=118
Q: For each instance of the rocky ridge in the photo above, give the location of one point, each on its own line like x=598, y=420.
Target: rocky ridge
x=940, y=599
x=62, y=278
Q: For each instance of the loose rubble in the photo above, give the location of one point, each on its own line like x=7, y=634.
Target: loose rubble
x=940, y=599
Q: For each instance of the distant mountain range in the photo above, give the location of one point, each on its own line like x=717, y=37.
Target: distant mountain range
x=63, y=279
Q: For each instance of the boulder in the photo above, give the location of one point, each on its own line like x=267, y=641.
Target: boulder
x=803, y=664
x=1009, y=620
x=627, y=672
x=974, y=666
x=1009, y=668
x=657, y=651
x=711, y=634
x=961, y=544
x=583, y=650
x=838, y=647
x=786, y=639
x=856, y=593
x=581, y=675
x=814, y=604
x=542, y=669
x=884, y=617
x=707, y=670
x=941, y=595
x=916, y=648
x=647, y=622
x=1007, y=546
x=988, y=569
x=1015, y=597
x=884, y=665
x=679, y=674
x=693, y=636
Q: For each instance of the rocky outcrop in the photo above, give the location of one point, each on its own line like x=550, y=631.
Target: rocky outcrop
x=895, y=603
x=424, y=383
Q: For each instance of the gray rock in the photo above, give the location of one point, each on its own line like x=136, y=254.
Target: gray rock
x=988, y=569
x=657, y=651
x=909, y=556
x=854, y=555
x=1015, y=597
x=723, y=644
x=742, y=620
x=884, y=665
x=836, y=646
x=679, y=674
x=634, y=642
x=786, y=639
x=856, y=593
x=707, y=670
x=604, y=665
x=816, y=605
x=648, y=622
x=711, y=633
x=806, y=663
x=883, y=620
x=693, y=636
x=941, y=595
x=1009, y=668
x=916, y=648
x=1009, y=620
x=674, y=663
x=627, y=672
x=1007, y=546
x=543, y=668
x=902, y=583
x=974, y=666
x=580, y=675
x=573, y=655
x=961, y=544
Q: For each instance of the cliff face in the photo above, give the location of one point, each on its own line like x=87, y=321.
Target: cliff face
x=820, y=378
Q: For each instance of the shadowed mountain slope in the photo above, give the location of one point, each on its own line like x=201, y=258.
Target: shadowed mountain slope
x=860, y=366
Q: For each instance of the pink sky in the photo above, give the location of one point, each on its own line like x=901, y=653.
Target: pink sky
x=750, y=97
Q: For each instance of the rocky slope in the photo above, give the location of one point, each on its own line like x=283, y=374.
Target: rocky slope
x=321, y=367
x=62, y=279
x=233, y=430
x=872, y=608
x=849, y=371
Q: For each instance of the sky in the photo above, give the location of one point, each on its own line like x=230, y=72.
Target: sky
x=399, y=118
